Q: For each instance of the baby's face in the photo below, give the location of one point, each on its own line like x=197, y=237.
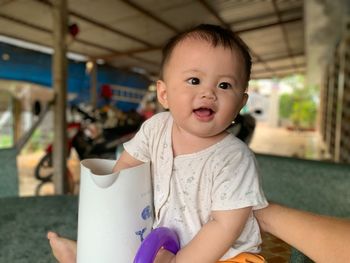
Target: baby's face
x=203, y=87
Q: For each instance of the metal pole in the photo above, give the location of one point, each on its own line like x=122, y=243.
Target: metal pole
x=59, y=70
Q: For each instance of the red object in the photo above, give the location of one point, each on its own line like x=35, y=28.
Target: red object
x=73, y=29
x=148, y=114
x=106, y=91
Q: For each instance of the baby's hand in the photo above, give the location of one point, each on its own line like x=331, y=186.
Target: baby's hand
x=164, y=256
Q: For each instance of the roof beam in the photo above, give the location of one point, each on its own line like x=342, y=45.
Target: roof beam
x=217, y=16
x=278, y=75
x=279, y=57
x=24, y=23
x=298, y=11
x=284, y=32
x=150, y=15
x=260, y=60
x=279, y=23
x=49, y=31
x=101, y=25
x=214, y=13
x=295, y=66
x=87, y=43
x=144, y=60
x=126, y=53
x=141, y=50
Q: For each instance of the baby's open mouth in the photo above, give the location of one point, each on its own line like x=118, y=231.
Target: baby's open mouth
x=203, y=112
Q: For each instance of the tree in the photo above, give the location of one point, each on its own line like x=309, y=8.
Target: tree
x=300, y=106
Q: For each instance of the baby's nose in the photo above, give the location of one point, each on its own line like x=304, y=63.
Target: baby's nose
x=208, y=94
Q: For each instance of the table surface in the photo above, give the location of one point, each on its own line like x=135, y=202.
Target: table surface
x=24, y=223
x=315, y=186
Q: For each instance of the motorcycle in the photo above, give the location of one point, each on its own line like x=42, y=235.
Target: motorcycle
x=244, y=125
x=89, y=140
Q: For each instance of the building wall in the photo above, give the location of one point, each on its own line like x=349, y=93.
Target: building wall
x=327, y=29
x=324, y=26
x=34, y=67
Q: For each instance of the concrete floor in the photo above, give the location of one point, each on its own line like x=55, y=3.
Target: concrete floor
x=281, y=141
x=27, y=182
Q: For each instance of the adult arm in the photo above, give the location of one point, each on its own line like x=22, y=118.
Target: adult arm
x=213, y=240
x=323, y=239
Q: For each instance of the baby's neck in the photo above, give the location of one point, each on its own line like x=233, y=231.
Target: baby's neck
x=186, y=143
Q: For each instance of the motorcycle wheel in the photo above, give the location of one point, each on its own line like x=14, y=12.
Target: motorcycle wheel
x=44, y=169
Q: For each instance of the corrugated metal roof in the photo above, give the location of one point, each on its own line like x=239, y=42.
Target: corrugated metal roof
x=129, y=34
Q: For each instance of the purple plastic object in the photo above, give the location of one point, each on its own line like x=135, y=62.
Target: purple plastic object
x=159, y=237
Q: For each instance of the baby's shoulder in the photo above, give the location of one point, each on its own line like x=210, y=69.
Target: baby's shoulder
x=232, y=151
x=157, y=120
x=231, y=144
x=160, y=117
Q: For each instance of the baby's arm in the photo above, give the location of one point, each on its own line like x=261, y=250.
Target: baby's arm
x=215, y=237
x=125, y=161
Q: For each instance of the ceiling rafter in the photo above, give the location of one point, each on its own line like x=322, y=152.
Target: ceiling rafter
x=284, y=32
x=101, y=25
x=292, y=20
x=144, y=60
x=278, y=75
x=150, y=15
x=36, y=43
x=127, y=53
x=297, y=11
x=275, y=58
x=214, y=13
x=141, y=50
x=87, y=43
x=296, y=66
x=25, y=23
x=45, y=30
x=148, y=53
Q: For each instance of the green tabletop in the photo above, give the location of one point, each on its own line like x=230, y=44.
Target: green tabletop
x=24, y=223
x=319, y=187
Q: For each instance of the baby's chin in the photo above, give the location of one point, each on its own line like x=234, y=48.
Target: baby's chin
x=210, y=134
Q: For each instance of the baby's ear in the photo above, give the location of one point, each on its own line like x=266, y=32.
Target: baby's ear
x=162, y=94
x=244, y=99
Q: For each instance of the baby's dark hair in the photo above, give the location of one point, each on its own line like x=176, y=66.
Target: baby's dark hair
x=214, y=34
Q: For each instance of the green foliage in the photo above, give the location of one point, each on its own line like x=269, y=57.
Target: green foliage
x=38, y=141
x=6, y=141
x=304, y=113
x=285, y=106
x=300, y=106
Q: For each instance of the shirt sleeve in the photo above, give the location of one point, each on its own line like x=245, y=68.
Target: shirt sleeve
x=237, y=185
x=139, y=146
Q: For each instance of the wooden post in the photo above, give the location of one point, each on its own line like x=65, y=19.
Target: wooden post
x=59, y=74
x=17, y=129
x=93, y=84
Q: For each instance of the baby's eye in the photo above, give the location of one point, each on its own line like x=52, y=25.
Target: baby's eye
x=224, y=85
x=193, y=81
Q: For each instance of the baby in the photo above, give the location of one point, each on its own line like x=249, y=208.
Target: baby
x=205, y=180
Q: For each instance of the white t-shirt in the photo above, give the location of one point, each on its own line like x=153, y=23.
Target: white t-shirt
x=188, y=187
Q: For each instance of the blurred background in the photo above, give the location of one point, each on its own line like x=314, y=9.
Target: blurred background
x=93, y=65
x=77, y=80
